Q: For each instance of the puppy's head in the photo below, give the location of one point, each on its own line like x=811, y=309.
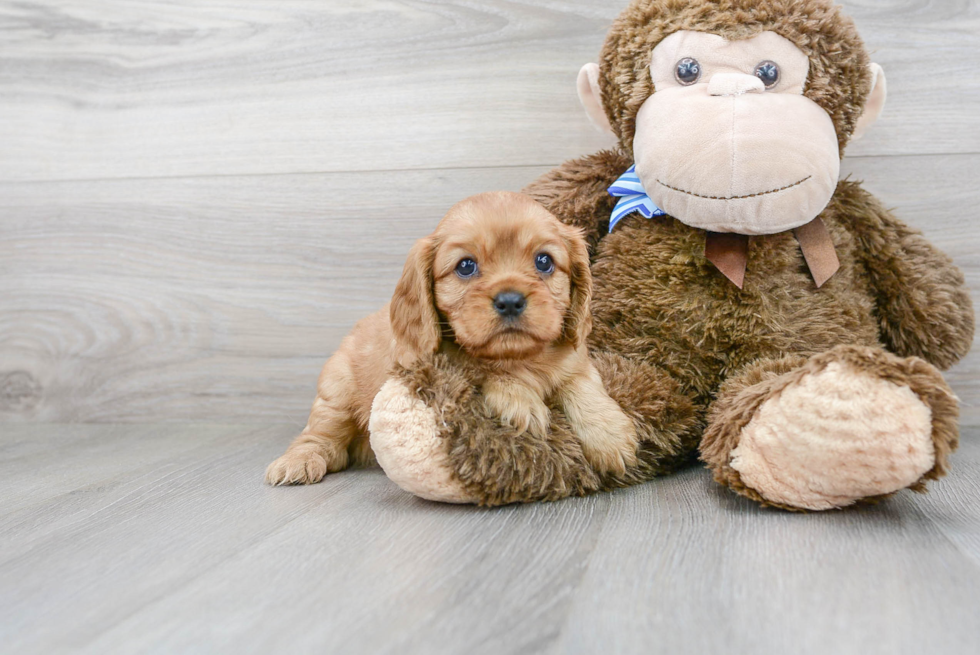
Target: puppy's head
x=500, y=275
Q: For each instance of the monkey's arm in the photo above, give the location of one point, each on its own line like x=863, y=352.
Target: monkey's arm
x=923, y=304
x=577, y=191
x=434, y=435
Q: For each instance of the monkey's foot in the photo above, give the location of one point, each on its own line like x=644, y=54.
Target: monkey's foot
x=407, y=442
x=849, y=425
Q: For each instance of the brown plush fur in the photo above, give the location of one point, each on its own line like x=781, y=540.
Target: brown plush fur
x=672, y=335
x=494, y=464
x=498, y=466
x=901, y=267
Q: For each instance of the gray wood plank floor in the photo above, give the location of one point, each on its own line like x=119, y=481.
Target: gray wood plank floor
x=160, y=538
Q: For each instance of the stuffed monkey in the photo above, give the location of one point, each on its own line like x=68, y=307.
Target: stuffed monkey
x=749, y=306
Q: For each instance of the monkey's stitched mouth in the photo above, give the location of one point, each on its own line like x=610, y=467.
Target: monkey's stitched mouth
x=750, y=195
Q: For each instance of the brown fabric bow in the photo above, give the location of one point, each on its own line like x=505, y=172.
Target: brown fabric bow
x=730, y=252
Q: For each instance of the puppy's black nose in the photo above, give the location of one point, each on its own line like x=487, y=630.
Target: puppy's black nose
x=509, y=304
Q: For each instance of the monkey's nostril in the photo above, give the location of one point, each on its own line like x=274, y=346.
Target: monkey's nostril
x=509, y=304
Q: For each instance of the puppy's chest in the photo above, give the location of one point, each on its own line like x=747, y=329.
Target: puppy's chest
x=542, y=375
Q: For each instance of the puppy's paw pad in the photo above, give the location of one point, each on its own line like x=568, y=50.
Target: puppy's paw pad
x=303, y=467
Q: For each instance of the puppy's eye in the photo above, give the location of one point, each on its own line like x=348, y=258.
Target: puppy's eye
x=687, y=71
x=768, y=72
x=466, y=268
x=544, y=263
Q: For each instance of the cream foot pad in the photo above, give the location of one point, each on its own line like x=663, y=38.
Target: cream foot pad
x=836, y=436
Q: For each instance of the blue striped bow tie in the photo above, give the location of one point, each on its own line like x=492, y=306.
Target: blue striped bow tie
x=632, y=198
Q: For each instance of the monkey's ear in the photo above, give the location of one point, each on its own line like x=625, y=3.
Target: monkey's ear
x=578, y=318
x=414, y=321
x=874, y=104
x=591, y=98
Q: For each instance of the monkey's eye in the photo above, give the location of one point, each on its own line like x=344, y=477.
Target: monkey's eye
x=768, y=72
x=544, y=263
x=687, y=71
x=466, y=268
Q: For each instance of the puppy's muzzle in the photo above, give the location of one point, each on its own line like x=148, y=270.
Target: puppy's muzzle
x=509, y=304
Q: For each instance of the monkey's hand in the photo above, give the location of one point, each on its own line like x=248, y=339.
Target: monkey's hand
x=436, y=436
x=922, y=300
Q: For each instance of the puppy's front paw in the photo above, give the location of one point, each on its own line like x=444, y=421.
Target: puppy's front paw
x=533, y=417
x=297, y=466
x=536, y=419
x=609, y=447
x=607, y=435
x=517, y=406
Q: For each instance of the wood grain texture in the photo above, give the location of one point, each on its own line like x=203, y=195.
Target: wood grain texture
x=161, y=88
x=189, y=552
x=220, y=298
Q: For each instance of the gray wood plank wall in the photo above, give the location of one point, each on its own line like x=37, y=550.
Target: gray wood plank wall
x=197, y=200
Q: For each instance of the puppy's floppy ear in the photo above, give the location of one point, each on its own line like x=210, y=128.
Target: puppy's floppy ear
x=578, y=317
x=414, y=320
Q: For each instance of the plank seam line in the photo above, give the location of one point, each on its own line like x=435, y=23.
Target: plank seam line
x=421, y=169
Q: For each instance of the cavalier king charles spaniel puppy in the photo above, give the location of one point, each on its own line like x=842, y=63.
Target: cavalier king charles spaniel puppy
x=502, y=282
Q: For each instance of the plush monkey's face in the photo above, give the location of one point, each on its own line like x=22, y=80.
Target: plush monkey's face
x=727, y=141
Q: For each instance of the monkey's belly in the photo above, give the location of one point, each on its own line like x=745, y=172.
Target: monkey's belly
x=656, y=297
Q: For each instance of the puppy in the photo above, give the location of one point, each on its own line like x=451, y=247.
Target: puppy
x=501, y=281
